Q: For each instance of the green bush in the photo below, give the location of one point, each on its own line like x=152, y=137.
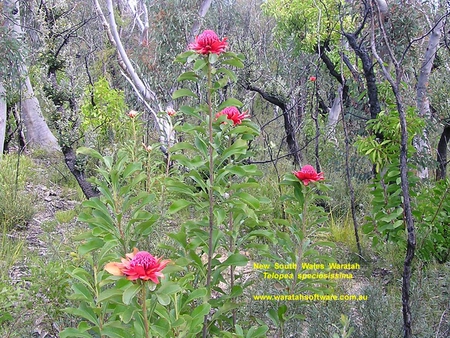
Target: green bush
x=16, y=204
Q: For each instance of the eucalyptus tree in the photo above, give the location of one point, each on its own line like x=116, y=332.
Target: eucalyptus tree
x=161, y=30
x=38, y=133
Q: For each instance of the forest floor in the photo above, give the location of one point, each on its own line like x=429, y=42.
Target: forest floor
x=46, y=239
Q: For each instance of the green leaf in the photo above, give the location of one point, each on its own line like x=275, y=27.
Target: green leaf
x=273, y=316
x=131, y=168
x=182, y=146
x=213, y=58
x=182, y=93
x=145, y=228
x=235, y=260
x=234, y=62
x=228, y=73
x=199, y=64
x=201, y=146
x=168, y=288
x=82, y=292
x=83, y=276
x=237, y=148
x=191, y=76
x=163, y=299
x=198, y=293
x=80, y=332
x=115, y=330
x=178, y=205
x=201, y=310
x=109, y=294
x=256, y=332
x=89, y=152
x=85, y=312
x=231, y=102
x=250, y=200
x=90, y=245
x=186, y=56
x=189, y=111
x=130, y=292
x=161, y=327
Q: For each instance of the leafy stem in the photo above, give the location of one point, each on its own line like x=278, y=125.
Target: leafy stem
x=210, y=188
x=300, y=236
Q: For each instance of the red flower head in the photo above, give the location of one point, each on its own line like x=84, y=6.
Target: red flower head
x=132, y=114
x=312, y=78
x=208, y=42
x=233, y=114
x=308, y=174
x=170, y=111
x=138, y=265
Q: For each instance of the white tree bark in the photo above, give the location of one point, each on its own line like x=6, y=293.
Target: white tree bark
x=37, y=132
x=143, y=24
x=423, y=104
x=147, y=96
x=334, y=113
x=2, y=118
x=201, y=14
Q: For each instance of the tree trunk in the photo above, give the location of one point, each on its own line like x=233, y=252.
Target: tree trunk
x=70, y=158
x=441, y=171
x=201, y=14
x=334, y=113
x=37, y=132
x=2, y=118
x=145, y=94
x=289, y=129
x=423, y=104
x=369, y=74
x=404, y=183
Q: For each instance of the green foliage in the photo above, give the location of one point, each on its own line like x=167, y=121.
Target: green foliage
x=342, y=231
x=12, y=299
x=386, y=223
x=216, y=185
x=65, y=216
x=103, y=110
x=117, y=220
x=119, y=214
x=10, y=53
x=311, y=23
x=432, y=213
x=10, y=253
x=346, y=330
x=382, y=145
x=301, y=238
x=16, y=204
x=386, y=219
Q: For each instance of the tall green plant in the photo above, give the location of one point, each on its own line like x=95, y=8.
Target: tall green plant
x=216, y=183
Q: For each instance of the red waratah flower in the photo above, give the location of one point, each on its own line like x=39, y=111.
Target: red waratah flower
x=208, y=42
x=308, y=174
x=233, y=114
x=138, y=265
x=132, y=114
x=312, y=78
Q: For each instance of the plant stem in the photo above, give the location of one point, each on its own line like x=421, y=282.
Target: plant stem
x=299, y=253
x=144, y=309
x=210, y=192
x=231, y=230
